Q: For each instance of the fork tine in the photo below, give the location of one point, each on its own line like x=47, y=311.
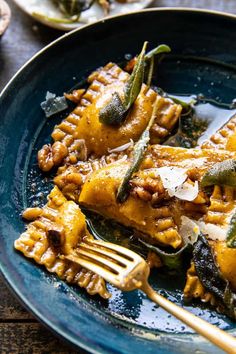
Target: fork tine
x=120, y=249
x=96, y=268
x=96, y=258
x=110, y=253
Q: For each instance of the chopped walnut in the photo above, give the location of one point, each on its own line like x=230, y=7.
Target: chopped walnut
x=50, y=156
x=141, y=193
x=149, y=189
x=45, y=159
x=59, y=152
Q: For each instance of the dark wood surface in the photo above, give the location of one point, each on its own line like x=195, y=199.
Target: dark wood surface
x=19, y=331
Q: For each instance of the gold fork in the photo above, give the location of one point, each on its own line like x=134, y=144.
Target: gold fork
x=128, y=271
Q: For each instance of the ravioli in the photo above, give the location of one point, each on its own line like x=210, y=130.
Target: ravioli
x=83, y=125
x=57, y=229
x=94, y=184
x=224, y=138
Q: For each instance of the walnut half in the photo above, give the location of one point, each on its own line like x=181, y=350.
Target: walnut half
x=51, y=155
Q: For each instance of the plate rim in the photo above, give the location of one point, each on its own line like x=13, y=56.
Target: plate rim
x=69, y=27
x=69, y=339
x=110, y=18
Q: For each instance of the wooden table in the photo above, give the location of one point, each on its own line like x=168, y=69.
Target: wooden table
x=19, y=331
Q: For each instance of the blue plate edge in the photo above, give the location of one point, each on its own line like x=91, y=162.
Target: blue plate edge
x=27, y=304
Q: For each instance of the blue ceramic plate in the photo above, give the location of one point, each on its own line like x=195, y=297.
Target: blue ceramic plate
x=204, y=61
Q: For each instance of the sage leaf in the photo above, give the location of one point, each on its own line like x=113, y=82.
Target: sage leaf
x=162, y=48
x=133, y=86
x=139, y=150
x=231, y=233
x=172, y=260
x=211, y=278
x=150, y=72
x=149, y=58
x=138, y=154
x=207, y=269
x=221, y=174
x=114, y=112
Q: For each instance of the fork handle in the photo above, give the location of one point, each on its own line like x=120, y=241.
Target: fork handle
x=217, y=336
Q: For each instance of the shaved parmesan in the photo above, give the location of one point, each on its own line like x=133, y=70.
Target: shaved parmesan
x=186, y=191
x=189, y=230
x=172, y=177
x=173, y=180
x=213, y=232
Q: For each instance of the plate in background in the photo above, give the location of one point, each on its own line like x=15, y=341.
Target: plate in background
x=203, y=61
x=5, y=15
x=39, y=9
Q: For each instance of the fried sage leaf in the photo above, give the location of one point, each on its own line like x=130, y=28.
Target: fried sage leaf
x=162, y=48
x=210, y=276
x=172, y=260
x=206, y=268
x=231, y=233
x=138, y=154
x=222, y=173
x=115, y=111
x=150, y=72
x=139, y=150
x=135, y=82
x=149, y=58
